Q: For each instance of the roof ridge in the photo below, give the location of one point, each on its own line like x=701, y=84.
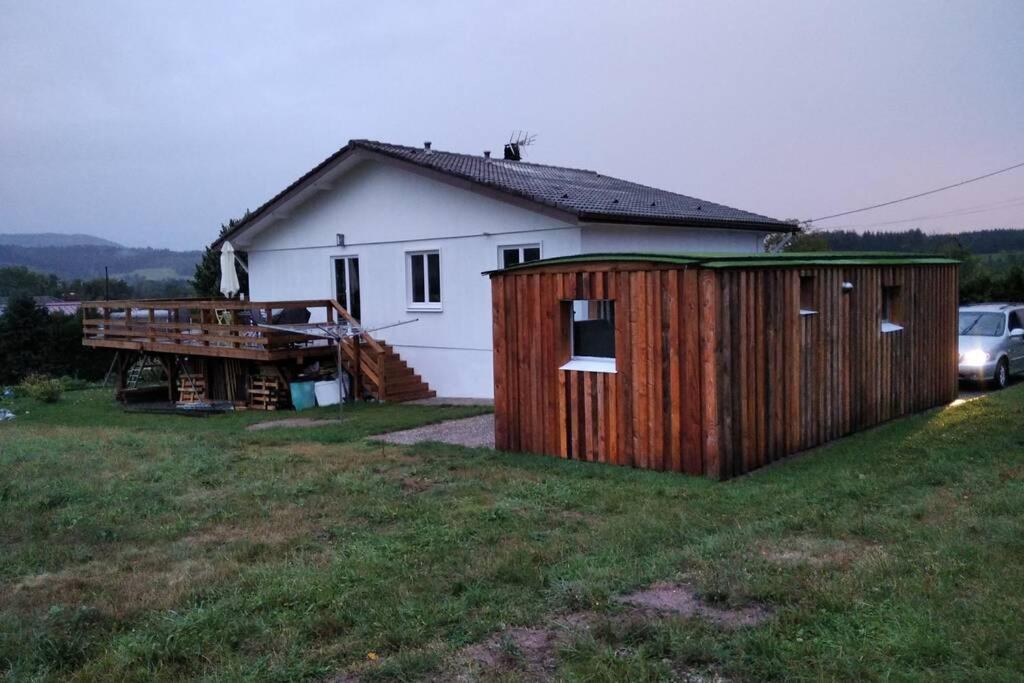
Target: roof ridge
x=480, y=157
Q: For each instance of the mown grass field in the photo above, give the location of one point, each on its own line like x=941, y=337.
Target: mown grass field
x=160, y=548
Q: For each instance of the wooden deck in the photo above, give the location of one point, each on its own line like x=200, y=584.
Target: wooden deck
x=213, y=329
x=235, y=330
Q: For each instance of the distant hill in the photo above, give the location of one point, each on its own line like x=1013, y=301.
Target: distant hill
x=87, y=261
x=977, y=241
x=53, y=239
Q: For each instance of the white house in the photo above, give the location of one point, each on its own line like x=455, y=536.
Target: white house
x=396, y=233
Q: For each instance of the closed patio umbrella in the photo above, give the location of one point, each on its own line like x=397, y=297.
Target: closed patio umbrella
x=228, y=275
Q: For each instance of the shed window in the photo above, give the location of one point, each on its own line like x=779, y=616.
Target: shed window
x=892, y=310
x=1015, y=321
x=520, y=253
x=808, y=302
x=591, y=335
x=423, y=275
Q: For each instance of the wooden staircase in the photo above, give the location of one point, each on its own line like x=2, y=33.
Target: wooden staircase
x=377, y=370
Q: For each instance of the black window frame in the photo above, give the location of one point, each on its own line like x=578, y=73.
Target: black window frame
x=520, y=251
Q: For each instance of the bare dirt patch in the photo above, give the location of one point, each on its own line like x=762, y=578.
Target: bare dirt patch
x=299, y=422
x=1011, y=474
x=530, y=653
x=682, y=600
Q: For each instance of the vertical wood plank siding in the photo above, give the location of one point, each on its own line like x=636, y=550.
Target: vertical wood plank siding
x=717, y=372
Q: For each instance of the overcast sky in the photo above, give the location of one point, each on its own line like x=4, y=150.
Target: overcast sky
x=151, y=123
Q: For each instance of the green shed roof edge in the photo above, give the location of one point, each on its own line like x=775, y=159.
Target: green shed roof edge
x=719, y=260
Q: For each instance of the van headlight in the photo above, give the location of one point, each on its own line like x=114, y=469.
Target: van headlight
x=976, y=357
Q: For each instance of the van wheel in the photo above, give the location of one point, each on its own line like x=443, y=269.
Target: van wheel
x=1002, y=376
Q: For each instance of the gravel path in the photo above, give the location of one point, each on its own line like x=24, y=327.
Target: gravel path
x=469, y=431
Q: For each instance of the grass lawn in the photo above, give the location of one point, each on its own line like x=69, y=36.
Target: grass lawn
x=137, y=547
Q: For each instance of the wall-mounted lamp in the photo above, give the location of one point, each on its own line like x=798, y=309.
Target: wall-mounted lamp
x=341, y=239
x=847, y=287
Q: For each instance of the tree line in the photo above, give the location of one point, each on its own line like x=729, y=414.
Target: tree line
x=20, y=281
x=976, y=242
x=991, y=261
x=36, y=342
x=88, y=261
x=33, y=341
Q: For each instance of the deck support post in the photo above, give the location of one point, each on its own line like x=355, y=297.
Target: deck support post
x=356, y=369
x=171, y=367
x=341, y=381
x=124, y=363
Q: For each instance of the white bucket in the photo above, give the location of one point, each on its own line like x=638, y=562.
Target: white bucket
x=327, y=393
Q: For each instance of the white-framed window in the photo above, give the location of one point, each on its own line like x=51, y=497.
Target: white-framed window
x=591, y=335
x=423, y=280
x=514, y=254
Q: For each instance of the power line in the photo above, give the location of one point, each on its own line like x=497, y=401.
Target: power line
x=963, y=211
x=919, y=194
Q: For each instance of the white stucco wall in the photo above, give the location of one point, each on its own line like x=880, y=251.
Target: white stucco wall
x=603, y=238
x=385, y=211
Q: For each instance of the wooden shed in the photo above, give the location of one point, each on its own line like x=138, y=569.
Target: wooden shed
x=716, y=364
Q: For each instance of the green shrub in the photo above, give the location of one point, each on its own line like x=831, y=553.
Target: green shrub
x=73, y=383
x=42, y=388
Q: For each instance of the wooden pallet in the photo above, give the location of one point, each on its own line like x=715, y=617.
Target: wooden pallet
x=191, y=390
x=268, y=393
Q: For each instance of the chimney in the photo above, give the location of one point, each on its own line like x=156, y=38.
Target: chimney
x=512, y=152
x=426, y=146
x=487, y=154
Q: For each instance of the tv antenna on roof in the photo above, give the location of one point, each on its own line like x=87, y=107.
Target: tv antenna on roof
x=516, y=141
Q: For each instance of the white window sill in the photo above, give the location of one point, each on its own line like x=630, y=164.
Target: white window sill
x=588, y=364
x=891, y=327
x=424, y=308
x=804, y=311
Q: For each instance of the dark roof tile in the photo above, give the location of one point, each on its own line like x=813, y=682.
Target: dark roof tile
x=588, y=195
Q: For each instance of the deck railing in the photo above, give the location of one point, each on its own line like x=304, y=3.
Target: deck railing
x=205, y=327
x=235, y=329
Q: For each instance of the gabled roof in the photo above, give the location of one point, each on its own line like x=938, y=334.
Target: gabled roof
x=790, y=259
x=587, y=195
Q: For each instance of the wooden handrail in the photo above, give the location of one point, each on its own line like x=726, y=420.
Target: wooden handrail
x=129, y=321
x=370, y=341
x=206, y=304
